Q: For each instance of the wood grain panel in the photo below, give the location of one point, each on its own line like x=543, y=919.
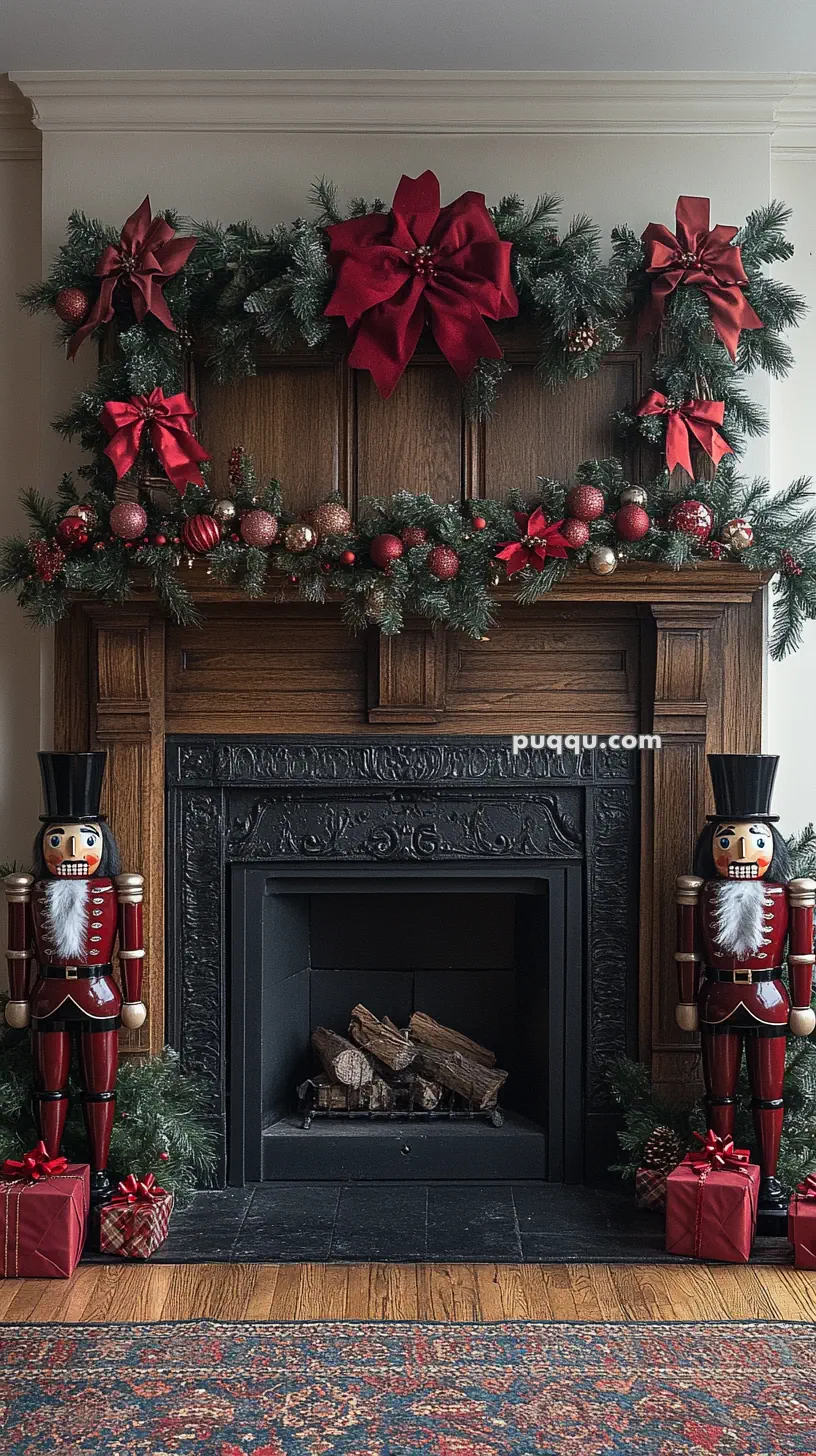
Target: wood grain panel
x=537, y=431
x=289, y=420
x=412, y=441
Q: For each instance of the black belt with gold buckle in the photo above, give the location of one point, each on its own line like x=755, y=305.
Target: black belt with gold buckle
x=75, y=973
x=743, y=978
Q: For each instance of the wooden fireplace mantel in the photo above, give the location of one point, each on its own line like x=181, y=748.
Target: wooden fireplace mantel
x=645, y=650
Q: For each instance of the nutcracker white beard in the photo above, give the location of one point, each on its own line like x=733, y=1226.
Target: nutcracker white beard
x=66, y=917
x=738, y=916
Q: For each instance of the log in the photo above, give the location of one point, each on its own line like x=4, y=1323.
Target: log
x=431, y=1033
x=424, y=1094
x=340, y=1059
x=383, y=1041
x=478, y=1085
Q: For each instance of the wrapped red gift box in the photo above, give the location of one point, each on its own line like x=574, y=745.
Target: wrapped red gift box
x=136, y=1222
x=711, y=1210
x=650, y=1188
x=43, y=1224
x=802, y=1224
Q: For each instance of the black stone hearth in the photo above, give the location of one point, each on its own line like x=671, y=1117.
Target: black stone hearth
x=496, y=893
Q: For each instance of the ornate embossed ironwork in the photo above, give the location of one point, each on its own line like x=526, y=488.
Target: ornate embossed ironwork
x=612, y=876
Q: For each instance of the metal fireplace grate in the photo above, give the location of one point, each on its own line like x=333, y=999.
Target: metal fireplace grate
x=334, y=1103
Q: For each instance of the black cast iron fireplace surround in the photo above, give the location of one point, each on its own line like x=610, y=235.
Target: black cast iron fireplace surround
x=263, y=827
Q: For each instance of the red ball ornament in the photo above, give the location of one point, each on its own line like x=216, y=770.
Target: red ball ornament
x=201, y=533
x=72, y=533
x=585, y=502
x=386, y=548
x=71, y=305
x=128, y=520
x=692, y=518
x=348, y=558
x=164, y=1157
x=414, y=536
x=159, y=540
x=479, y=523
x=632, y=522
x=443, y=563
x=575, y=532
x=259, y=528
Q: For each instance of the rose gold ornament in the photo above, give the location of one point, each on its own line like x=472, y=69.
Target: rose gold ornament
x=331, y=519
x=575, y=532
x=298, y=537
x=259, y=528
x=128, y=520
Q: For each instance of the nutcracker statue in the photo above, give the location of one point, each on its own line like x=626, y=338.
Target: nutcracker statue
x=63, y=924
x=734, y=916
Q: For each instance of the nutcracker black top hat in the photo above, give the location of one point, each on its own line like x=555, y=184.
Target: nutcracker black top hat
x=72, y=785
x=743, y=785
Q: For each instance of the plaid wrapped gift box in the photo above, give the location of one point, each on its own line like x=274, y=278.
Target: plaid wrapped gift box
x=136, y=1220
x=650, y=1188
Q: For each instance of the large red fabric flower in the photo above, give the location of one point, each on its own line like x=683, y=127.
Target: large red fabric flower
x=147, y=254
x=705, y=257
x=420, y=263
x=539, y=540
x=165, y=418
x=697, y=417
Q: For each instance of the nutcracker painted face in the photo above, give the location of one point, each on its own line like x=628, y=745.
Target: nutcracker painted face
x=73, y=851
x=742, y=849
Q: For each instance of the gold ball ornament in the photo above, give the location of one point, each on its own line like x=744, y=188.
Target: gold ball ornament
x=737, y=535
x=225, y=510
x=331, y=519
x=298, y=537
x=84, y=513
x=603, y=561
x=634, y=495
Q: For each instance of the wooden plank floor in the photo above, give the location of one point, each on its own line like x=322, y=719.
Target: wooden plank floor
x=416, y=1291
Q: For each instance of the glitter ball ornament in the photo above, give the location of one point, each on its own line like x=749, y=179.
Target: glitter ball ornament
x=692, y=518
x=331, y=519
x=386, y=548
x=737, y=535
x=582, y=339
x=631, y=523
x=603, y=561
x=48, y=559
x=298, y=537
x=259, y=528
x=128, y=520
x=72, y=533
x=443, y=563
x=633, y=495
x=585, y=502
x=575, y=532
x=84, y=513
x=414, y=536
x=201, y=533
x=225, y=510
x=347, y=558
x=71, y=305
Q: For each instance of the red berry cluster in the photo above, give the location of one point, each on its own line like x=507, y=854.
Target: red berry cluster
x=790, y=566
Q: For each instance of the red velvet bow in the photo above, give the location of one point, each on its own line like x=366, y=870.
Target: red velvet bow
x=138, y=1190
x=697, y=417
x=718, y=1152
x=807, y=1188
x=34, y=1165
x=166, y=419
x=704, y=256
x=147, y=254
x=420, y=262
x=539, y=540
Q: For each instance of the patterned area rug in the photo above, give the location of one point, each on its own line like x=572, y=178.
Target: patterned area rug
x=351, y=1389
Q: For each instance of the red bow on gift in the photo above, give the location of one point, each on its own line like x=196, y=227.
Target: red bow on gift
x=166, y=420
x=538, y=541
x=697, y=417
x=147, y=254
x=138, y=1190
x=807, y=1188
x=705, y=257
x=33, y=1166
x=718, y=1152
x=420, y=262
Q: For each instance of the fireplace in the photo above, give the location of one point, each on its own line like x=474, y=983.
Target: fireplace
x=496, y=893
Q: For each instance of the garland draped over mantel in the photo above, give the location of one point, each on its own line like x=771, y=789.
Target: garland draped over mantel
x=161, y=286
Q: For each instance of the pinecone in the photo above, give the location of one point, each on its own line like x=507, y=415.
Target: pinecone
x=663, y=1150
x=582, y=339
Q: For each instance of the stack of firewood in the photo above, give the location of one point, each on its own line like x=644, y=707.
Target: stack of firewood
x=379, y=1068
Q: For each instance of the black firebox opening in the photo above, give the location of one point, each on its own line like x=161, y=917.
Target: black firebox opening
x=498, y=956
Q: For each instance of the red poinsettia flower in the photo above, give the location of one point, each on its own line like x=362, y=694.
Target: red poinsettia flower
x=539, y=540
x=420, y=263
x=147, y=254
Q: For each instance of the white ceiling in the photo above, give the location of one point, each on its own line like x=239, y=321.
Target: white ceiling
x=551, y=35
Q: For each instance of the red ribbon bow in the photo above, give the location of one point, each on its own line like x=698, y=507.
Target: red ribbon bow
x=697, y=417
x=33, y=1165
x=166, y=419
x=147, y=254
x=705, y=257
x=807, y=1188
x=539, y=540
x=420, y=262
x=138, y=1190
x=718, y=1153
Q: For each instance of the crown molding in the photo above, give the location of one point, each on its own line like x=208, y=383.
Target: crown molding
x=467, y=103
x=20, y=140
